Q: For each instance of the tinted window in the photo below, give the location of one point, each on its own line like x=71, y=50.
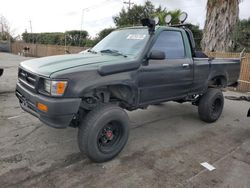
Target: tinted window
x=171, y=43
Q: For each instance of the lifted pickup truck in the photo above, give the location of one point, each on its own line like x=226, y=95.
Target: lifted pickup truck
x=129, y=69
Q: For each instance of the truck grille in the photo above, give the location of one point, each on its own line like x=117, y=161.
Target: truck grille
x=27, y=79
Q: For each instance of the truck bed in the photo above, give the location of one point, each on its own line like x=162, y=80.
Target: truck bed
x=205, y=69
x=230, y=67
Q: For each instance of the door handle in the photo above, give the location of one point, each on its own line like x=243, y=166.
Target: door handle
x=185, y=65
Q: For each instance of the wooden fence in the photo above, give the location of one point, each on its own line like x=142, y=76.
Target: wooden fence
x=41, y=50
x=244, y=79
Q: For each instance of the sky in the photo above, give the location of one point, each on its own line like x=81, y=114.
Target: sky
x=93, y=16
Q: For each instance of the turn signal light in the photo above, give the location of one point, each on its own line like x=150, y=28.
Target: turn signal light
x=42, y=107
x=60, y=88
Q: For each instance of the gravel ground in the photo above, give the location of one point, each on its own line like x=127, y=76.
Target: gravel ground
x=167, y=143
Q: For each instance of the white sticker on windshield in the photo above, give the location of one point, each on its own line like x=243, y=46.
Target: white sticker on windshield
x=136, y=37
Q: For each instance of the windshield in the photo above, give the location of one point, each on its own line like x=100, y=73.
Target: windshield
x=127, y=42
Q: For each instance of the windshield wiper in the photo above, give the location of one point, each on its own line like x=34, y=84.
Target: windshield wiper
x=113, y=52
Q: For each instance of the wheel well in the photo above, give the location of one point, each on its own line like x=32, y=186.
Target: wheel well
x=218, y=81
x=122, y=94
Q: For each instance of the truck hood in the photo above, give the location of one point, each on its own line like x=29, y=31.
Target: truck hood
x=48, y=65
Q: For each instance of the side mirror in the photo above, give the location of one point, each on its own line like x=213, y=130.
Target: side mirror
x=157, y=54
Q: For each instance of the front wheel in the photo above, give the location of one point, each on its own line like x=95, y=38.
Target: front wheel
x=103, y=133
x=211, y=105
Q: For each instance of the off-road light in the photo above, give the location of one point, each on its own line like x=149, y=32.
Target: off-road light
x=183, y=17
x=156, y=19
x=168, y=19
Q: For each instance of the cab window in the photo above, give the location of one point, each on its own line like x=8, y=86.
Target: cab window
x=170, y=42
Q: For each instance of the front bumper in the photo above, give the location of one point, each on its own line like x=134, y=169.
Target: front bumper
x=60, y=110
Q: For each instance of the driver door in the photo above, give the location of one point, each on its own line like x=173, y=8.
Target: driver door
x=169, y=78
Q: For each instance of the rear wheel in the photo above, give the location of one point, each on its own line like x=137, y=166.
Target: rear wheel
x=211, y=105
x=103, y=133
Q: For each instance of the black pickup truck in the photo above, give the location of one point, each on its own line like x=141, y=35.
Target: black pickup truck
x=129, y=69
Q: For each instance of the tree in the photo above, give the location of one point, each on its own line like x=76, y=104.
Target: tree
x=197, y=33
x=73, y=38
x=103, y=33
x=5, y=33
x=134, y=15
x=221, y=18
x=44, y=38
x=76, y=37
x=241, y=36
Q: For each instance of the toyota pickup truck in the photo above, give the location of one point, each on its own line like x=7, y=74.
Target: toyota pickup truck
x=131, y=68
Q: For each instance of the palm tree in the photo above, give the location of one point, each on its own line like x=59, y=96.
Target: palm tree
x=221, y=19
x=162, y=13
x=175, y=16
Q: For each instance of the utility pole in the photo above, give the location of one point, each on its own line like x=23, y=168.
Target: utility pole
x=83, y=10
x=31, y=31
x=30, y=26
x=129, y=3
x=2, y=31
x=65, y=43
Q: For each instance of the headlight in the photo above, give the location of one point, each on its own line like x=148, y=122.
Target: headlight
x=55, y=88
x=47, y=85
